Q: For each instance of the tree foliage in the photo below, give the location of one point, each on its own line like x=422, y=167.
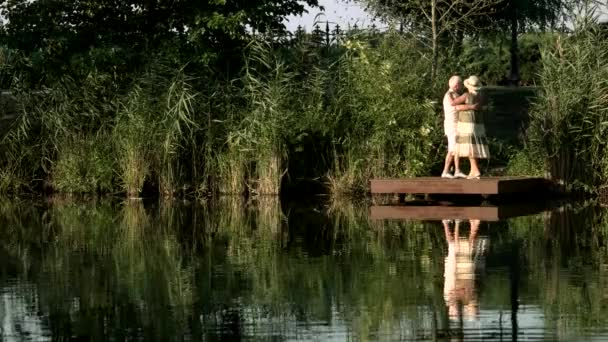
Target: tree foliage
x=495, y=15
x=445, y=23
x=65, y=27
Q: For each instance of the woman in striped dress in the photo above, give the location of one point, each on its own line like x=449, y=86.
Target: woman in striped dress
x=471, y=133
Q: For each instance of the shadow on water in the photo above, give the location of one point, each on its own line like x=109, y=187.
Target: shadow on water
x=262, y=270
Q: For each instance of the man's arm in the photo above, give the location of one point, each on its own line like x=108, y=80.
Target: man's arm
x=467, y=107
x=456, y=100
x=459, y=103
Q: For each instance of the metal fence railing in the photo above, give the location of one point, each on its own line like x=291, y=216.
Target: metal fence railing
x=326, y=33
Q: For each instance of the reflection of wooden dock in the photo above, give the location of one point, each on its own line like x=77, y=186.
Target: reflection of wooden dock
x=483, y=186
x=431, y=212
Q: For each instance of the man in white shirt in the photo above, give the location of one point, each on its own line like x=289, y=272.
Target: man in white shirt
x=452, y=103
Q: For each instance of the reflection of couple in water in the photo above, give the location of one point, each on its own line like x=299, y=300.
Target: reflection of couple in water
x=465, y=258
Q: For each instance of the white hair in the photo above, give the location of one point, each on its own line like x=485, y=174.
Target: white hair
x=454, y=80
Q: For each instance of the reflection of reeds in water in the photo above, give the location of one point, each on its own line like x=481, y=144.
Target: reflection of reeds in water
x=87, y=227
x=150, y=261
x=244, y=239
x=226, y=216
x=20, y=221
x=315, y=265
x=266, y=241
x=564, y=253
x=134, y=221
x=269, y=216
x=406, y=258
x=352, y=221
x=242, y=222
x=130, y=249
x=105, y=259
x=73, y=260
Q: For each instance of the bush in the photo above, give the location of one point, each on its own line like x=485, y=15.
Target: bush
x=389, y=125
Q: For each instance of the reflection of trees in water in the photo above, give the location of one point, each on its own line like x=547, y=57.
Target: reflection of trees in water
x=95, y=264
x=247, y=267
x=336, y=268
x=230, y=269
x=566, y=266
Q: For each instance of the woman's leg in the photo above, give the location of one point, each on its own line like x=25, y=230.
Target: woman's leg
x=474, y=167
x=457, y=172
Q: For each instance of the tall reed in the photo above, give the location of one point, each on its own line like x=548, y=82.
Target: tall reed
x=131, y=137
x=175, y=128
x=154, y=123
x=266, y=117
x=63, y=130
x=568, y=121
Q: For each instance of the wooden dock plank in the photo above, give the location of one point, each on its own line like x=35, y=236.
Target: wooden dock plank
x=431, y=212
x=436, y=185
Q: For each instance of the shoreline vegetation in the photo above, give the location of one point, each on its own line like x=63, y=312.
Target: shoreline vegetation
x=310, y=112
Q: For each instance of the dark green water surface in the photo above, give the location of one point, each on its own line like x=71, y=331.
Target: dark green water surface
x=266, y=271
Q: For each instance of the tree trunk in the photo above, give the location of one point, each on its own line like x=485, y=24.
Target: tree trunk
x=514, y=75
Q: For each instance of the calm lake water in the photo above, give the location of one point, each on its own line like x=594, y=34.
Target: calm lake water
x=266, y=271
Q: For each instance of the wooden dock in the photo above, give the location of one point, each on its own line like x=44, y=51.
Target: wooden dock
x=483, y=186
x=433, y=212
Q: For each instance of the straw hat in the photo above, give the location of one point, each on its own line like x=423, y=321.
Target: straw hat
x=473, y=83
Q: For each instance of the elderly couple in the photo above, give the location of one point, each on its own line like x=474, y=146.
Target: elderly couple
x=464, y=127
